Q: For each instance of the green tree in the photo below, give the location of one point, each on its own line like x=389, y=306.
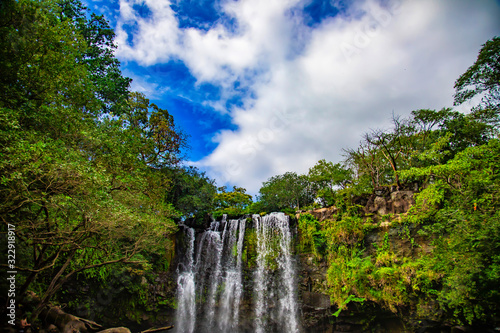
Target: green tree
x=326, y=177
x=232, y=203
x=394, y=145
x=79, y=187
x=102, y=66
x=459, y=212
x=153, y=130
x=41, y=81
x=367, y=162
x=287, y=191
x=384, y=154
x=429, y=127
x=192, y=193
x=482, y=81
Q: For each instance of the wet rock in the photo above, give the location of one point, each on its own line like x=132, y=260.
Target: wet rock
x=343, y=327
x=385, y=224
x=52, y=329
x=381, y=191
x=317, y=301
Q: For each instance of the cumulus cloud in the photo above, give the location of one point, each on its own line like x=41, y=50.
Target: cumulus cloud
x=315, y=89
x=220, y=54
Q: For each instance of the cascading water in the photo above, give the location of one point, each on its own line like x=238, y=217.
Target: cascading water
x=276, y=307
x=210, y=284
x=186, y=306
x=231, y=296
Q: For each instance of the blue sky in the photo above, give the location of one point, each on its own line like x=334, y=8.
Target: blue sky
x=263, y=87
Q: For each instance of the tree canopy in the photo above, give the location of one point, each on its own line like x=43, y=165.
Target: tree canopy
x=91, y=175
x=482, y=79
x=89, y=170
x=287, y=191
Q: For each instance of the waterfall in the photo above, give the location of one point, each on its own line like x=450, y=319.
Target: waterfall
x=275, y=286
x=231, y=296
x=186, y=306
x=210, y=282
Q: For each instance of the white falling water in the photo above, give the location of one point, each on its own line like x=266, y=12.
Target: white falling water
x=186, y=305
x=238, y=289
x=228, y=316
x=210, y=288
x=215, y=246
x=275, y=285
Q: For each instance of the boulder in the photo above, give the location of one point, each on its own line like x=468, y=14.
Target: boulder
x=322, y=214
x=380, y=205
x=74, y=326
x=65, y=322
x=401, y=201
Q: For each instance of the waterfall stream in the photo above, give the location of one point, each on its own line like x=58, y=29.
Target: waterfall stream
x=210, y=280
x=186, y=306
x=275, y=285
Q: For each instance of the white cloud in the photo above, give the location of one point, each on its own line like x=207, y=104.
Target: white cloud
x=219, y=54
x=155, y=38
x=354, y=70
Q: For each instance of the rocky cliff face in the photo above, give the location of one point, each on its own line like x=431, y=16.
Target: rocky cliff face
x=382, y=210
x=383, y=207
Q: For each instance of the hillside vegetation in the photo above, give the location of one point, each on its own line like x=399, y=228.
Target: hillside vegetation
x=93, y=181
x=450, y=162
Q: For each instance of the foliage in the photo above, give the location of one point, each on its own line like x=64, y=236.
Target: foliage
x=191, y=192
x=392, y=144
x=467, y=221
x=102, y=66
x=285, y=191
x=234, y=203
x=350, y=298
x=457, y=213
x=427, y=137
x=249, y=254
x=448, y=268
x=152, y=130
x=88, y=170
x=368, y=165
x=312, y=238
x=326, y=178
x=91, y=177
x=482, y=79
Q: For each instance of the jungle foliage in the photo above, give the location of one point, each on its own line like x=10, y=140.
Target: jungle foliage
x=91, y=176
x=443, y=262
x=234, y=204
x=91, y=173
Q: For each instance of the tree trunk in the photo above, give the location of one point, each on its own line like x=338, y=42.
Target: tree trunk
x=54, y=285
x=392, y=162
